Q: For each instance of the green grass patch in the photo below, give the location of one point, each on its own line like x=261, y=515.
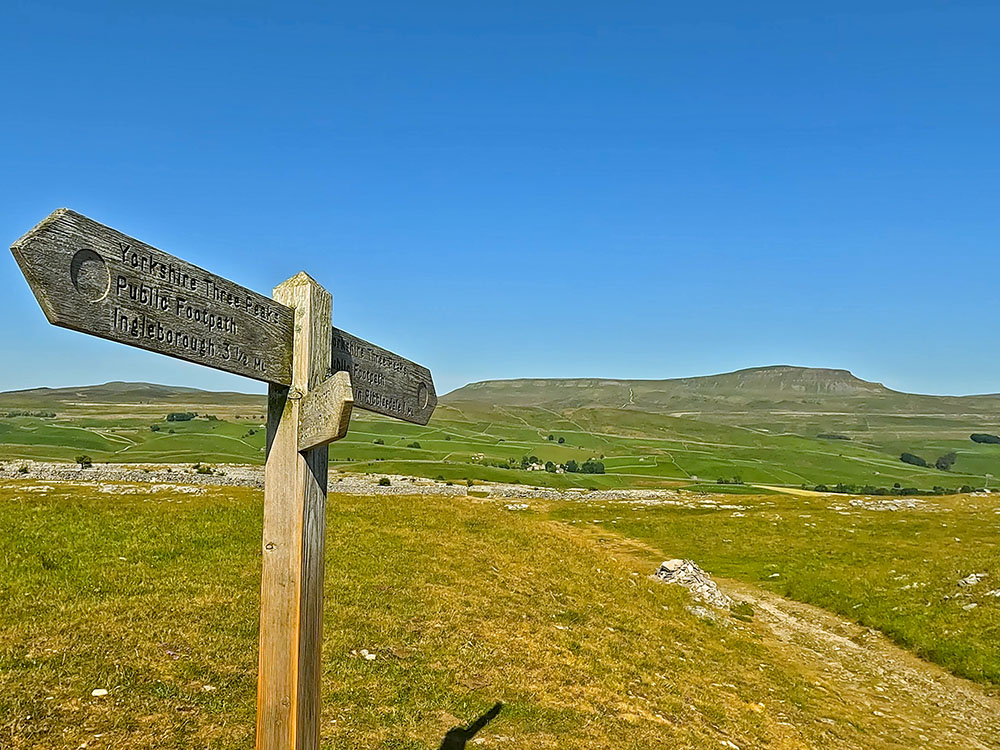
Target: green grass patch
x=893, y=570
x=153, y=595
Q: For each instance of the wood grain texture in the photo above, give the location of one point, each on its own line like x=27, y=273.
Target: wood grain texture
x=384, y=382
x=325, y=413
x=295, y=488
x=94, y=279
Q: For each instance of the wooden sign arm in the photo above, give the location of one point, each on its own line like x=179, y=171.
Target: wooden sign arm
x=325, y=413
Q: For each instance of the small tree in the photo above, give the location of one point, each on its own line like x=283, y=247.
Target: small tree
x=909, y=458
x=384, y=482
x=85, y=461
x=982, y=437
x=945, y=462
x=561, y=440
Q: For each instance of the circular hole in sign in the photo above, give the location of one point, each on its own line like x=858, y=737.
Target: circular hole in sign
x=423, y=396
x=89, y=274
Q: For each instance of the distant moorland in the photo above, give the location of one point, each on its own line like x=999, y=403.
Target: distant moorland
x=768, y=426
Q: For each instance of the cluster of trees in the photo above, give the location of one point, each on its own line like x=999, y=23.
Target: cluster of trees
x=381, y=441
x=982, y=437
x=510, y=463
x=560, y=440
x=733, y=480
x=19, y=413
x=832, y=436
x=943, y=463
x=590, y=466
x=896, y=489
x=181, y=416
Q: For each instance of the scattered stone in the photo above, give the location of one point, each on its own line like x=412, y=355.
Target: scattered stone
x=687, y=574
x=970, y=605
x=174, y=478
x=901, y=503
x=704, y=614
x=98, y=692
x=972, y=579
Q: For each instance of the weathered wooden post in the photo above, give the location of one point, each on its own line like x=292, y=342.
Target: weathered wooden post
x=94, y=279
x=295, y=487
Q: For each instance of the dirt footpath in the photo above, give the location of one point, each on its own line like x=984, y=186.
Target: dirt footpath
x=920, y=705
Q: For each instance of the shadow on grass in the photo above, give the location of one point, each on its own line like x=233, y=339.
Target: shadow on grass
x=457, y=737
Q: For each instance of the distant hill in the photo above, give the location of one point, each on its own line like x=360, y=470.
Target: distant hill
x=774, y=388
x=777, y=425
x=779, y=387
x=121, y=393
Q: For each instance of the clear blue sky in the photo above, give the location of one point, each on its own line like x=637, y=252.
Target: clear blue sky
x=627, y=189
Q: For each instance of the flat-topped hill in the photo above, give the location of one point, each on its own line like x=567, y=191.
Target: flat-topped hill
x=780, y=387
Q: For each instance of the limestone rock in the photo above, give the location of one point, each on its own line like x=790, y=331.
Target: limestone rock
x=686, y=573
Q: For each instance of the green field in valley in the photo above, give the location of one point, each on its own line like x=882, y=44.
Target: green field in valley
x=771, y=426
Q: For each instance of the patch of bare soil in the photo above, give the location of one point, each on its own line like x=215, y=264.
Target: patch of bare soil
x=917, y=704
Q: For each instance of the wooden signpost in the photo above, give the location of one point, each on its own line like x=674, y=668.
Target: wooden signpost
x=94, y=279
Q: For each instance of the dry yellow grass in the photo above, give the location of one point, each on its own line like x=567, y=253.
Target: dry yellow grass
x=153, y=596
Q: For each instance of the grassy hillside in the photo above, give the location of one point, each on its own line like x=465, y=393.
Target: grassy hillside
x=119, y=393
x=776, y=384
x=888, y=564
x=151, y=594
x=775, y=426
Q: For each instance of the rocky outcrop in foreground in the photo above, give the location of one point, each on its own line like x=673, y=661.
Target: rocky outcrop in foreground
x=686, y=573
